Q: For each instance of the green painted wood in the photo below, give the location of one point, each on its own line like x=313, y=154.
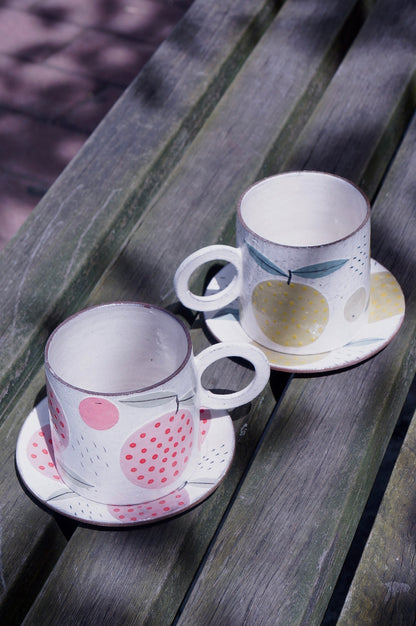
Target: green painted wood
x=78, y=228
x=188, y=212
x=383, y=590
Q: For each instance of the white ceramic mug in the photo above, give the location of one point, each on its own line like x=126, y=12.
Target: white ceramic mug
x=302, y=263
x=124, y=395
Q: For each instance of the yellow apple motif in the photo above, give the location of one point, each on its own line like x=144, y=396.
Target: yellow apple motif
x=290, y=313
x=386, y=297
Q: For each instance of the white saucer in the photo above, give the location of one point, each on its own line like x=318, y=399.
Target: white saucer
x=217, y=449
x=383, y=325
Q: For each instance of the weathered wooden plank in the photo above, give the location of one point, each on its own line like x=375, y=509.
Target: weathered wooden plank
x=189, y=212
x=77, y=230
x=383, y=590
x=277, y=89
x=298, y=508
x=337, y=137
x=50, y=267
x=31, y=539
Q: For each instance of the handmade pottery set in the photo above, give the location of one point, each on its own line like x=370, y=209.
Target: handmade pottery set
x=127, y=433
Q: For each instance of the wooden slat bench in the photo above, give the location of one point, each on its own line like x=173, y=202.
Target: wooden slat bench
x=239, y=91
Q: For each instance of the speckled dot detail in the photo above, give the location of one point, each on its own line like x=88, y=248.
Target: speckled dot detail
x=168, y=505
x=386, y=297
x=290, y=315
x=157, y=454
x=40, y=453
x=60, y=431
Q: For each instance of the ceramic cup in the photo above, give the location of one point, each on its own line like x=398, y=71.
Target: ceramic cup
x=302, y=263
x=125, y=393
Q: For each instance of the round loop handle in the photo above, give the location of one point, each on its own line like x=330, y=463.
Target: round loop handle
x=192, y=262
x=219, y=351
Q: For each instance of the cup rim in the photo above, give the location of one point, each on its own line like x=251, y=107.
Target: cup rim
x=297, y=173
x=121, y=393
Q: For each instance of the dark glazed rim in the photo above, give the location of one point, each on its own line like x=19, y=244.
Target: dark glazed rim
x=140, y=305
x=297, y=173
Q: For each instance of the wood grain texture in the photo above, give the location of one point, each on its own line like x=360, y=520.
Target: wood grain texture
x=268, y=544
x=78, y=228
x=189, y=211
x=298, y=508
x=338, y=135
x=31, y=539
x=50, y=267
x=196, y=206
x=383, y=590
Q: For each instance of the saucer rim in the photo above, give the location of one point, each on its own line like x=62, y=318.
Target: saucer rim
x=306, y=369
x=39, y=416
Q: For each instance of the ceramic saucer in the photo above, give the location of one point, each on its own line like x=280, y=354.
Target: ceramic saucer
x=386, y=313
x=35, y=463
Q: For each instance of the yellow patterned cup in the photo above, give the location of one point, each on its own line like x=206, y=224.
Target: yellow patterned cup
x=302, y=263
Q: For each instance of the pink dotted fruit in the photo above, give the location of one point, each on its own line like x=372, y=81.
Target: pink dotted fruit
x=60, y=431
x=168, y=505
x=205, y=415
x=40, y=453
x=98, y=413
x=156, y=455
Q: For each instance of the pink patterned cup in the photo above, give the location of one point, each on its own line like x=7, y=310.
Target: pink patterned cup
x=125, y=393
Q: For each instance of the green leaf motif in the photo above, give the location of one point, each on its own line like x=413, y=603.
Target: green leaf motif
x=265, y=263
x=62, y=469
x=364, y=342
x=151, y=399
x=319, y=269
x=157, y=399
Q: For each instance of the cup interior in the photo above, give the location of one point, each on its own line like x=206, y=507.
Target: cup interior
x=118, y=348
x=304, y=209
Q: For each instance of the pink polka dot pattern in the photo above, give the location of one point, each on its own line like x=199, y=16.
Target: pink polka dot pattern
x=205, y=415
x=40, y=453
x=168, y=505
x=98, y=413
x=157, y=454
x=60, y=431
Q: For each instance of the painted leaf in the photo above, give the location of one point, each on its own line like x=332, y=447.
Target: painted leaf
x=151, y=399
x=202, y=482
x=73, y=476
x=187, y=400
x=365, y=342
x=319, y=269
x=265, y=263
x=62, y=495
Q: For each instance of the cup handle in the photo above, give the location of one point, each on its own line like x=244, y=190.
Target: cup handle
x=219, y=351
x=192, y=262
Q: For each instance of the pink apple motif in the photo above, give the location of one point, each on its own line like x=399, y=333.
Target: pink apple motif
x=40, y=453
x=155, y=455
x=168, y=505
x=98, y=413
x=60, y=432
